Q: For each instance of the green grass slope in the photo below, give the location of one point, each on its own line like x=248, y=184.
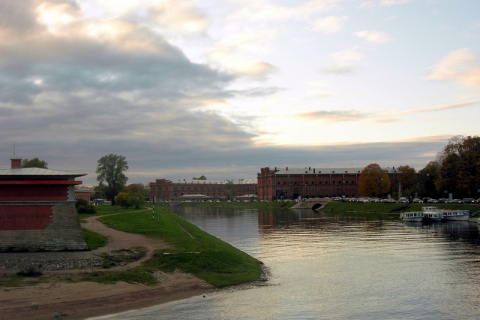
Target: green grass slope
x=194, y=251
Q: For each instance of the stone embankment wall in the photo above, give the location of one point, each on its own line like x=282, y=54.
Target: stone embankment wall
x=314, y=203
x=24, y=228
x=49, y=261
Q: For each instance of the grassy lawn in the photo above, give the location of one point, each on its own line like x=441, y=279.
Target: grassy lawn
x=94, y=240
x=194, y=251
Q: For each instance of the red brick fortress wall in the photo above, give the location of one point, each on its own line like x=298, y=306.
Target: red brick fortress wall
x=46, y=226
x=25, y=217
x=33, y=193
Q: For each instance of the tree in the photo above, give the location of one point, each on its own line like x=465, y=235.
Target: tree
x=110, y=175
x=459, y=171
x=230, y=189
x=200, y=178
x=130, y=199
x=407, y=179
x=34, y=163
x=138, y=188
x=373, y=181
x=122, y=199
x=426, y=179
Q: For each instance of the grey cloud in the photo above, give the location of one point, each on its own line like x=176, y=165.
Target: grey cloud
x=17, y=16
x=182, y=157
x=93, y=98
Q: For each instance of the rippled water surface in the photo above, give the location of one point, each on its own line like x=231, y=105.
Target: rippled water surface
x=339, y=267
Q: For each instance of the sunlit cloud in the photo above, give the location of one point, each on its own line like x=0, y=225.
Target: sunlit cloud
x=330, y=25
x=180, y=16
x=234, y=53
x=263, y=10
x=236, y=63
x=321, y=94
x=393, y=2
x=332, y=116
x=377, y=37
x=345, y=61
x=56, y=16
x=445, y=107
x=462, y=65
x=367, y=4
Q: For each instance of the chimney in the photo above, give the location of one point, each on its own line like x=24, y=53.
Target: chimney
x=16, y=163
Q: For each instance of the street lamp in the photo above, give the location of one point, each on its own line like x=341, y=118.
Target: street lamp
x=426, y=184
x=380, y=188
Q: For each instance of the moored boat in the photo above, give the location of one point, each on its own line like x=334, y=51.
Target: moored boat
x=432, y=214
x=456, y=215
x=412, y=216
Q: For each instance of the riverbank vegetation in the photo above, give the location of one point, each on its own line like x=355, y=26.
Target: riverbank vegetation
x=392, y=208
x=336, y=207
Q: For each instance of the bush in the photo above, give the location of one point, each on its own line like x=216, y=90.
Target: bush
x=90, y=209
x=81, y=202
x=130, y=199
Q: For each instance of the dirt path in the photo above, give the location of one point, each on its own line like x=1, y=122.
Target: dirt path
x=87, y=299
x=123, y=240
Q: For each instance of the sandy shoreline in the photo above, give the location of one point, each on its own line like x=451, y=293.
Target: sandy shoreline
x=87, y=299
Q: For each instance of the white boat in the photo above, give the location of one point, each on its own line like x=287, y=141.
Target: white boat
x=412, y=216
x=432, y=214
x=456, y=215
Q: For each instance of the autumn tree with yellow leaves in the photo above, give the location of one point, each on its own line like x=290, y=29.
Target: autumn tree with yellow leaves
x=373, y=181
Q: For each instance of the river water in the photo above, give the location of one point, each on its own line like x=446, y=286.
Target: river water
x=325, y=266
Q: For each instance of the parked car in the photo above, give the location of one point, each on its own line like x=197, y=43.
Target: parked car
x=402, y=200
x=469, y=200
x=456, y=201
x=443, y=200
x=96, y=202
x=417, y=200
x=389, y=200
x=432, y=201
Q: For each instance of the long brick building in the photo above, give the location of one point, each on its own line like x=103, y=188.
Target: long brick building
x=37, y=210
x=310, y=182
x=202, y=189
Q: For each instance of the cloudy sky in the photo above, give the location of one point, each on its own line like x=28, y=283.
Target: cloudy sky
x=222, y=88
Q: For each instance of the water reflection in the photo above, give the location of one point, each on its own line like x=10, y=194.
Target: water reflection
x=343, y=266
